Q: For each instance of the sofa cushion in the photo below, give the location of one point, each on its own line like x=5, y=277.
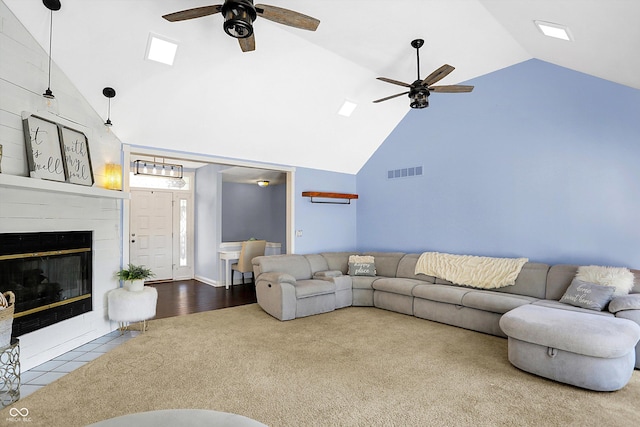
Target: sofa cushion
x=558, y=280
x=311, y=287
x=407, y=269
x=295, y=265
x=440, y=293
x=560, y=306
x=625, y=302
x=580, y=333
x=531, y=281
x=317, y=263
x=386, y=262
x=363, y=282
x=396, y=285
x=338, y=260
x=495, y=302
x=587, y=295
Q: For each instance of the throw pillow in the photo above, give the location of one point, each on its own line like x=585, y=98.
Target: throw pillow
x=587, y=295
x=625, y=302
x=362, y=265
x=619, y=278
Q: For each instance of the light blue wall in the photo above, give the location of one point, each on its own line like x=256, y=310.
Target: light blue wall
x=251, y=211
x=538, y=161
x=207, y=233
x=325, y=227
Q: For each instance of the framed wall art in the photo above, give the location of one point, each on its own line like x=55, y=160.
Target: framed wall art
x=77, y=159
x=44, y=156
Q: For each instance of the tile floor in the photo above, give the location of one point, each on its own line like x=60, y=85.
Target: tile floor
x=39, y=376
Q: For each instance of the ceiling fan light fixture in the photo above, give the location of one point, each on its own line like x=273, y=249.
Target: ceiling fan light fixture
x=238, y=18
x=419, y=98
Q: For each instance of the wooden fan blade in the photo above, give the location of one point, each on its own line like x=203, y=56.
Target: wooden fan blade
x=395, y=82
x=248, y=44
x=438, y=74
x=390, y=97
x=451, y=89
x=197, y=12
x=287, y=17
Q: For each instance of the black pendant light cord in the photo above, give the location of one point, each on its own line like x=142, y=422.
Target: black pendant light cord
x=50, y=35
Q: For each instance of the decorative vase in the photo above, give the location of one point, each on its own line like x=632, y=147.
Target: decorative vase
x=134, y=285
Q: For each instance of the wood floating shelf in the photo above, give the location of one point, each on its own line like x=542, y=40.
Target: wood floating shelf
x=322, y=195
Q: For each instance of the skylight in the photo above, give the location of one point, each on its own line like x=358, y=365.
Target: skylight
x=347, y=108
x=554, y=30
x=161, y=50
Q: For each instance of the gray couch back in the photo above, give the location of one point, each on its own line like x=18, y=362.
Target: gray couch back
x=561, y=275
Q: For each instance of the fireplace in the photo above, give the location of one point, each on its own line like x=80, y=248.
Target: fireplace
x=50, y=275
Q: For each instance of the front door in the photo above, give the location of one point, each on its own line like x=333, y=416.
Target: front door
x=151, y=232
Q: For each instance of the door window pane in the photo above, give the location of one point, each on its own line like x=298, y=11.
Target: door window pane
x=183, y=232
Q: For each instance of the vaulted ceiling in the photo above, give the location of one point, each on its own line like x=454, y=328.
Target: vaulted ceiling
x=279, y=103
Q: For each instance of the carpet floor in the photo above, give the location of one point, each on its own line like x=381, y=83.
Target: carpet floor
x=352, y=367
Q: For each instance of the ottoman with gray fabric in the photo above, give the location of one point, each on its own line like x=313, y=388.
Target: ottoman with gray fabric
x=581, y=349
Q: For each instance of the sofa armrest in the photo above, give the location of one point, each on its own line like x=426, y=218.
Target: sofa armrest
x=276, y=294
x=327, y=274
x=276, y=277
x=625, y=302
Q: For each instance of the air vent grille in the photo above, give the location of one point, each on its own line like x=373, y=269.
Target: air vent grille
x=411, y=172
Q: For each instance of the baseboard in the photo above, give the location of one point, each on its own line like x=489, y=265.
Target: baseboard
x=207, y=281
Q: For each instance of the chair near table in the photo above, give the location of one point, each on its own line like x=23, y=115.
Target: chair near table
x=250, y=250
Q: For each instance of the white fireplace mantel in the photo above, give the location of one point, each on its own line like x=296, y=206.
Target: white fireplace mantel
x=26, y=183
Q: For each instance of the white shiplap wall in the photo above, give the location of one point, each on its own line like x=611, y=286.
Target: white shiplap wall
x=23, y=79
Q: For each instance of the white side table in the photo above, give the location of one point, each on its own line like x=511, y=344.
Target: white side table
x=126, y=306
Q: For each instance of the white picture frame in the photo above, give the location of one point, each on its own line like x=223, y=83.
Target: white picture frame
x=44, y=155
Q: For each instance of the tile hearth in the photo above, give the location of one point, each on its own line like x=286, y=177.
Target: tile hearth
x=46, y=373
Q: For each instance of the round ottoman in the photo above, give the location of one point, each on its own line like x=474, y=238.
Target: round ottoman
x=126, y=306
x=591, y=351
x=180, y=417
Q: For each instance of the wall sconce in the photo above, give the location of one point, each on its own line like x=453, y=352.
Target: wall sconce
x=263, y=183
x=144, y=167
x=109, y=92
x=113, y=176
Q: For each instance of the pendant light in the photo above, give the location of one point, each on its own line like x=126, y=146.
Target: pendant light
x=51, y=5
x=109, y=92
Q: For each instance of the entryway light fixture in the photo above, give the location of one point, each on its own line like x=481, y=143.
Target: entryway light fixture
x=554, y=30
x=51, y=5
x=109, y=92
x=263, y=183
x=153, y=168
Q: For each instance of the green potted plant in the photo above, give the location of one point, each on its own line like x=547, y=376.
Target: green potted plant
x=134, y=276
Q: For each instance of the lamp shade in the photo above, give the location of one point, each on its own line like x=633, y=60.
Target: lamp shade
x=113, y=176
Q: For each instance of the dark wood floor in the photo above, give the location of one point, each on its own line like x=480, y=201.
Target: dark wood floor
x=190, y=296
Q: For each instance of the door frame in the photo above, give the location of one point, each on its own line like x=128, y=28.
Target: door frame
x=147, y=151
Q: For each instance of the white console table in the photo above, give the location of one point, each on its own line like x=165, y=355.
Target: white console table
x=230, y=251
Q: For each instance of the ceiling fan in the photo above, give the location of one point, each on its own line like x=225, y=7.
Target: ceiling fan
x=420, y=89
x=239, y=16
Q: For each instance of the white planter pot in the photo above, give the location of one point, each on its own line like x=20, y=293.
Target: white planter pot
x=134, y=285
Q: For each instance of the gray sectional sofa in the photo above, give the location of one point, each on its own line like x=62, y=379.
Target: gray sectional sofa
x=292, y=286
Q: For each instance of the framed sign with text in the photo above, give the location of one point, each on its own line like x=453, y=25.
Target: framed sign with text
x=77, y=160
x=44, y=156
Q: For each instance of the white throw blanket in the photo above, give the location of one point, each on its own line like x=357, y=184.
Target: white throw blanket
x=477, y=271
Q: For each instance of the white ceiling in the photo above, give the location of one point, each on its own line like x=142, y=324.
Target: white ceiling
x=279, y=103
